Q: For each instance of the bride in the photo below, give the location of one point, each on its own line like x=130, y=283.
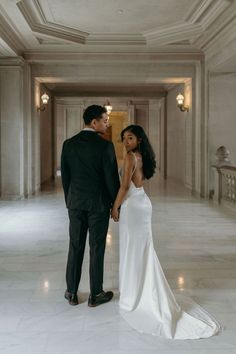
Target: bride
x=146, y=300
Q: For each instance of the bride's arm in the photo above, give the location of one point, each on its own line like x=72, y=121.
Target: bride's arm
x=124, y=187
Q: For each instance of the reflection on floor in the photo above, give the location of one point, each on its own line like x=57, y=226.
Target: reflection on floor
x=195, y=242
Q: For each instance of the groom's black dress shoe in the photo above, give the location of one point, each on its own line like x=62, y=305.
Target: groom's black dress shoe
x=99, y=299
x=72, y=298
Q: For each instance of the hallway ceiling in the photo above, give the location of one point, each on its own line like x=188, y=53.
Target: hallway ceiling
x=88, y=26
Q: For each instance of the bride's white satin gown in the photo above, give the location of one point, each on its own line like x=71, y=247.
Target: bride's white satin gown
x=146, y=300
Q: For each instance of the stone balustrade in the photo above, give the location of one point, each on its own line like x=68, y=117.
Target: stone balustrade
x=225, y=185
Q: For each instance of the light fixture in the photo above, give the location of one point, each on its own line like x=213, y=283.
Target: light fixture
x=108, y=107
x=180, y=100
x=44, y=99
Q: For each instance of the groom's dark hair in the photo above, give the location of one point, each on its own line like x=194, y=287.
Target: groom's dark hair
x=93, y=112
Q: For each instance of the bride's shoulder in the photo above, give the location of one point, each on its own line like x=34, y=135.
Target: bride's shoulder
x=137, y=154
x=129, y=158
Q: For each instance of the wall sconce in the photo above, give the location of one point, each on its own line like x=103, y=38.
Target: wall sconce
x=180, y=100
x=108, y=107
x=44, y=99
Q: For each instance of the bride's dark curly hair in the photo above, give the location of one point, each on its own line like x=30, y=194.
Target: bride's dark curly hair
x=145, y=148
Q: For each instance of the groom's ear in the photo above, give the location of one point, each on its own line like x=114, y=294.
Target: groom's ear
x=93, y=123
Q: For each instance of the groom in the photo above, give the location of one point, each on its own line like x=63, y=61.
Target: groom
x=90, y=181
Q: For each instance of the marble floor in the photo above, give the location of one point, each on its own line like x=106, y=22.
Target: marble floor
x=195, y=242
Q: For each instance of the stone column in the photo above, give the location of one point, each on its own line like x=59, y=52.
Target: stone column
x=157, y=131
x=13, y=129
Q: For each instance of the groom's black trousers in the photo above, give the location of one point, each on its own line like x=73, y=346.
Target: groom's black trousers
x=80, y=222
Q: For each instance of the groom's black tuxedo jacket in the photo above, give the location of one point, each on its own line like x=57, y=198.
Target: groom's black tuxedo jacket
x=89, y=172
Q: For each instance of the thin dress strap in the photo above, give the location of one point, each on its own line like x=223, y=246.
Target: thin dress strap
x=136, y=163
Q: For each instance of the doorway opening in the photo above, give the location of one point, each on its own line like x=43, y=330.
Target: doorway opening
x=118, y=120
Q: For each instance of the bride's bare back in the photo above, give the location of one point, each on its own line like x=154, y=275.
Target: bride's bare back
x=138, y=176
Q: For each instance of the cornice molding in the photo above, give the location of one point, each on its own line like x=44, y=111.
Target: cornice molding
x=9, y=36
x=222, y=32
x=38, y=57
x=178, y=32
x=216, y=27
x=115, y=39
x=214, y=10
x=36, y=19
x=196, y=23
x=5, y=50
x=198, y=11
x=223, y=47
x=51, y=41
x=12, y=62
x=224, y=37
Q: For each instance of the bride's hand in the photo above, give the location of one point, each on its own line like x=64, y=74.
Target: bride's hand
x=115, y=214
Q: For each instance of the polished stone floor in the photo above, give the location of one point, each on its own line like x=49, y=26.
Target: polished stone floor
x=195, y=242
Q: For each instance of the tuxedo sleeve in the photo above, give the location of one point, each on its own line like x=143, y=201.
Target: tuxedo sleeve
x=110, y=168
x=65, y=172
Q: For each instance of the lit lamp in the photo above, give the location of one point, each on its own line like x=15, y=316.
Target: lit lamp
x=108, y=107
x=44, y=99
x=180, y=100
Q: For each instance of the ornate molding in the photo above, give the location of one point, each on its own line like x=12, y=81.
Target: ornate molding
x=188, y=56
x=198, y=11
x=202, y=17
x=12, y=62
x=214, y=10
x=51, y=41
x=5, y=50
x=220, y=34
x=217, y=25
x=223, y=50
x=175, y=33
x=116, y=39
x=36, y=19
x=221, y=39
x=207, y=12
x=194, y=32
x=193, y=26
x=9, y=36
